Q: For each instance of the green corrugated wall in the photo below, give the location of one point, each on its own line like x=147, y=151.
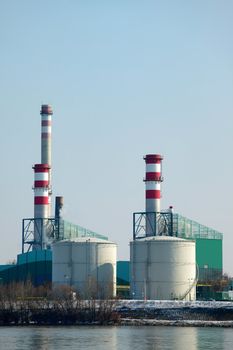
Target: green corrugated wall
x=209, y=253
x=209, y=259
x=38, y=272
x=123, y=272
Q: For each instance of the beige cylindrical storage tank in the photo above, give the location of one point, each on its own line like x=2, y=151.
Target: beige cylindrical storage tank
x=163, y=268
x=86, y=264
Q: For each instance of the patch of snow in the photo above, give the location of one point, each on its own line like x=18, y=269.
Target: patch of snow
x=171, y=304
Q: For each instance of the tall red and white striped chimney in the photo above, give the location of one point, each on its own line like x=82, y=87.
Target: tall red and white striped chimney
x=42, y=181
x=153, y=181
x=46, y=125
x=46, y=142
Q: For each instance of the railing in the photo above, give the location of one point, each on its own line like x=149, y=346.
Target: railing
x=168, y=224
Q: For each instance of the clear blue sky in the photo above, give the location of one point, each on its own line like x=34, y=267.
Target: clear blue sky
x=125, y=78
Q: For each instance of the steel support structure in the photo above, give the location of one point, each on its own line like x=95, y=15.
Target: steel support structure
x=29, y=225
x=160, y=224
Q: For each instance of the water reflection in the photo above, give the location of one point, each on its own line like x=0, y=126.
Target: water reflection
x=56, y=338
x=211, y=338
x=115, y=338
x=38, y=338
x=161, y=338
x=228, y=339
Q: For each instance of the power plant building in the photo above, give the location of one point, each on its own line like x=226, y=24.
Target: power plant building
x=169, y=254
x=44, y=229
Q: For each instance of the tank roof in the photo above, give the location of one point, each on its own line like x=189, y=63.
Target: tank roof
x=163, y=239
x=84, y=240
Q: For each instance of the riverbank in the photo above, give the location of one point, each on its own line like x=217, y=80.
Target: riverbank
x=176, y=310
x=116, y=312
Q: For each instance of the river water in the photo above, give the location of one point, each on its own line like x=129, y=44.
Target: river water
x=114, y=338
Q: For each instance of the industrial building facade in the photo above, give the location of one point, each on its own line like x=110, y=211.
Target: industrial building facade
x=209, y=249
x=209, y=257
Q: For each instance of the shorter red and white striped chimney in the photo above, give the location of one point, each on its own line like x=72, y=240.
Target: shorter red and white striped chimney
x=153, y=181
x=41, y=201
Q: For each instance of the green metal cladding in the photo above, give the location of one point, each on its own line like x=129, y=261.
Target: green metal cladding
x=209, y=259
x=209, y=253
